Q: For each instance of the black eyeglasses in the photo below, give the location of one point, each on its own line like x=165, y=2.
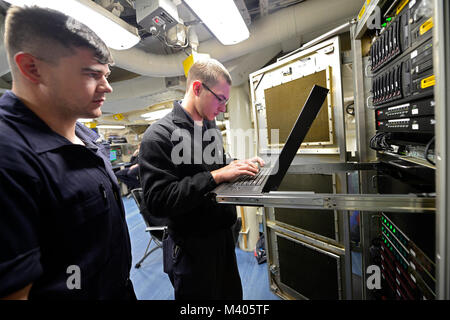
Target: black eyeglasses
x=221, y=100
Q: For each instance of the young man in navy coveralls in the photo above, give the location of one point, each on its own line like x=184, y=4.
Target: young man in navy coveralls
x=176, y=175
x=63, y=232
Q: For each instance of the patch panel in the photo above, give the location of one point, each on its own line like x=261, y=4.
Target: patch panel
x=419, y=124
x=424, y=107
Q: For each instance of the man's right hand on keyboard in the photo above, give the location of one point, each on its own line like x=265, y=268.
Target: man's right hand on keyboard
x=237, y=168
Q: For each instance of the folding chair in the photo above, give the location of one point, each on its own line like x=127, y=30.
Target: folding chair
x=157, y=227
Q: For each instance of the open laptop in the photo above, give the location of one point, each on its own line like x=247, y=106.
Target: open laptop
x=270, y=177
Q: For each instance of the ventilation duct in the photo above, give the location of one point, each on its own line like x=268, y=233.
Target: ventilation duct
x=305, y=18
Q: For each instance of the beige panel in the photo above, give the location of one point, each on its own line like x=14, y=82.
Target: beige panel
x=285, y=101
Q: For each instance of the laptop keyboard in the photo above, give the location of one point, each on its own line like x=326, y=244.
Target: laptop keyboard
x=253, y=180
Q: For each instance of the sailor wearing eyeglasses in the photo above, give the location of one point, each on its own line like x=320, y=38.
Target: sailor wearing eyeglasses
x=178, y=170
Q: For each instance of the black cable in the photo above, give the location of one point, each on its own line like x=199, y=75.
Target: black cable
x=380, y=142
x=427, y=150
x=350, y=110
x=260, y=79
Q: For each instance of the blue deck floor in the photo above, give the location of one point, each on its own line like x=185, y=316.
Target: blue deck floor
x=151, y=283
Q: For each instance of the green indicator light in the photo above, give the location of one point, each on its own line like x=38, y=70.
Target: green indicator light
x=384, y=25
x=390, y=226
x=389, y=19
x=394, y=230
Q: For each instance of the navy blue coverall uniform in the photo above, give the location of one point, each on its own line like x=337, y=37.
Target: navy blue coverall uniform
x=62, y=222
x=199, y=253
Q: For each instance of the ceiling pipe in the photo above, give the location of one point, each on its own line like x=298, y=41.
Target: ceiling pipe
x=149, y=64
x=143, y=91
x=291, y=22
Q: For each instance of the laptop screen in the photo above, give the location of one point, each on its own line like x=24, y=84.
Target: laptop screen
x=296, y=136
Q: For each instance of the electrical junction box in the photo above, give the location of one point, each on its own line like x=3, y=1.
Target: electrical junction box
x=161, y=14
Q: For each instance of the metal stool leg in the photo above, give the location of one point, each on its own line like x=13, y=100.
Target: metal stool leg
x=137, y=266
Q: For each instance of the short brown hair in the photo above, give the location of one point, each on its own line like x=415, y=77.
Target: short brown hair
x=208, y=71
x=40, y=32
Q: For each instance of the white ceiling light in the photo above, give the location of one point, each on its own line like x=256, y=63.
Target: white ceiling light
x=115, y=32
x=155, y=115
x=107, y=126
x=82, y=120
x=222, y=18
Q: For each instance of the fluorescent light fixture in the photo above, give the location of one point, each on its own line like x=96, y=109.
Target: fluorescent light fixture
x=85, y=120
x=116, y=33
x=155, y=115
x=222, y=18
x=107, y=126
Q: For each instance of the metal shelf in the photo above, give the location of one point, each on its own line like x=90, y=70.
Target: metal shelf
x=414, y=160
x=311, y=200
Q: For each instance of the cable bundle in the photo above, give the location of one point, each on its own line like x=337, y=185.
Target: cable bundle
x=379, y=141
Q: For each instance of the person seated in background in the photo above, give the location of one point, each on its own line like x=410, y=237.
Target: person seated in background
x=130, y=175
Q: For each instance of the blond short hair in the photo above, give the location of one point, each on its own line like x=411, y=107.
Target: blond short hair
x=209, y=71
